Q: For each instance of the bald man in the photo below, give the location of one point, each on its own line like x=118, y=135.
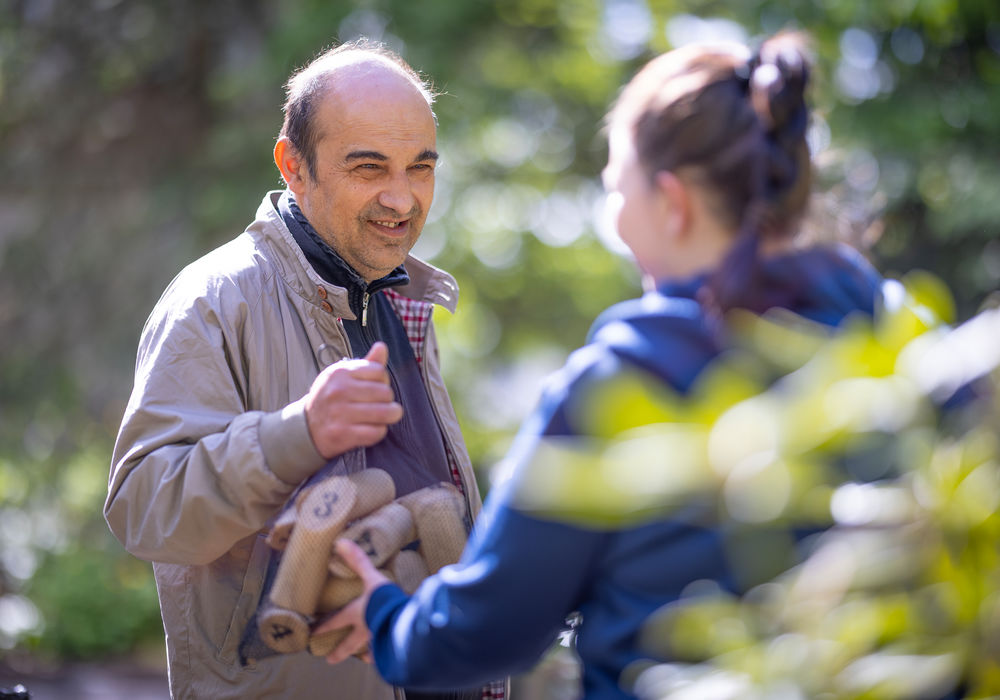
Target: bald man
x=301, y=348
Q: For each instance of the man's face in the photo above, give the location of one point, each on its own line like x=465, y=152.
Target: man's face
x=375, y=160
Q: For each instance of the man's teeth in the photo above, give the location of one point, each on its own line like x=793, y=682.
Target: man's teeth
x=389, y=224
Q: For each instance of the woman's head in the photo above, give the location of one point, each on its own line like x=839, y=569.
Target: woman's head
x=729, y=126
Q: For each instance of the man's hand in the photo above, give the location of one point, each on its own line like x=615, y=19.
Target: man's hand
x=351, y=404
x=353, y=614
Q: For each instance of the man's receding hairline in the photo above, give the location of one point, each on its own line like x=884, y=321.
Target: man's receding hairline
x=326, y=67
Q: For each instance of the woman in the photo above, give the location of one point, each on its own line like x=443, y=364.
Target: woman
x=709, y=176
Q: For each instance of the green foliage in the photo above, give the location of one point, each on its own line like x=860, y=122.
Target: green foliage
x=96, y=600
x=88, y=598
x=897, y=598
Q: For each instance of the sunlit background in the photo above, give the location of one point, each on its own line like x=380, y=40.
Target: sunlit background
x=137, y=135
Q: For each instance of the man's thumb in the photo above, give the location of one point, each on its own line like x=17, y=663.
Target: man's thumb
x=379, y=353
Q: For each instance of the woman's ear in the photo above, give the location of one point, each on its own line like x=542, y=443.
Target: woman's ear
x=676, y=201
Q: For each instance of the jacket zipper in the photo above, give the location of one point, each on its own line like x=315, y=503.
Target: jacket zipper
x=369, y=338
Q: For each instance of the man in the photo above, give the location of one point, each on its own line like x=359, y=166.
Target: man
x=304, y=343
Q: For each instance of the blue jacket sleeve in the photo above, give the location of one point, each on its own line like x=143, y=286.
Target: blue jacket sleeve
x=493, y=613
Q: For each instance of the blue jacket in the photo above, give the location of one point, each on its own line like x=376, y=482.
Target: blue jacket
x=503, y=605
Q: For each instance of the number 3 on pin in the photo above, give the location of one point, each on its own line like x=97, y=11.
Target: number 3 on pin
x=325, y=509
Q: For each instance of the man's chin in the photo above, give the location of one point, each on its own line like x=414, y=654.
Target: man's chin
x=380, y=268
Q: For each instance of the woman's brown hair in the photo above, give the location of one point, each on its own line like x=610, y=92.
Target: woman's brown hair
x=737, y=126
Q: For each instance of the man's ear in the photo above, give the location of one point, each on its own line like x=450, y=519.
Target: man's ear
x=676, y=202
x=293, y=168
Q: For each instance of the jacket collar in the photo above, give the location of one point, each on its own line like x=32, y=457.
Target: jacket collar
x=427, y=283
x=824, y=283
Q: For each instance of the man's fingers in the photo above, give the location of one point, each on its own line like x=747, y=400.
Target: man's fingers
x=358, y=425
x=361, y=370
x=378, y=354
x=366, y=435
x=362, y=390
x=371, y=367
x=375, y=413
x=351, y=402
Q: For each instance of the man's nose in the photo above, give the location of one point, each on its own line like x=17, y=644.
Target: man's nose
x=398, y=194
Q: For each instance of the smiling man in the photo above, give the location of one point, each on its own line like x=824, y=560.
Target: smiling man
x=301, y=348
x=362, y=167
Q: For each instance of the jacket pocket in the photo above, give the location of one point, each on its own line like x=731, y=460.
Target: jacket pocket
x=249, y=599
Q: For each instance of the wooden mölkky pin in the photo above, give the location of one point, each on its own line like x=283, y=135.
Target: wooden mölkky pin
x=407, y=569
x=380, y=535
x=439, y=516
x=322, y=515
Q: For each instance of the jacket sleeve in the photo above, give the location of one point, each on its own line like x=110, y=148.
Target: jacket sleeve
x=492, y=614
x=193, y=470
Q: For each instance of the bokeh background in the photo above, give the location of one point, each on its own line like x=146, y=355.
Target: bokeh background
x=137, y=134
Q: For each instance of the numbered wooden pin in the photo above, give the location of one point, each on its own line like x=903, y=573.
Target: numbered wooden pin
x=278, y=536
x=321, y=518
x=380, y=535
x=302, y=571
x=338, y=592
x=407, y=569
x=322, y=515
x=375, y=488
x=283, y=630
x=323, y=643
x=439, y=516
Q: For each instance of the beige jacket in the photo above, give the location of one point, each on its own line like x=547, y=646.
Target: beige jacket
x=214, y=440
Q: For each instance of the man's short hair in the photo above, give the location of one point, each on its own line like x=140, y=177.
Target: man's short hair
x=306, y=87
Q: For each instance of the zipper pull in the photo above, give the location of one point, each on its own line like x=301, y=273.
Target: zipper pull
x=364, y=309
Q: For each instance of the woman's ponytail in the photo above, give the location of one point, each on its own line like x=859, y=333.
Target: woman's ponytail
x=774, y=80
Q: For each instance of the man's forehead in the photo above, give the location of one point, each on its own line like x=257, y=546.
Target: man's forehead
x=356, y=89
x=351, y=71
x=368, y=128
x=374, y=139
x=393, y=122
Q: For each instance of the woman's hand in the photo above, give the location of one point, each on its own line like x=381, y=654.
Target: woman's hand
x=353, y=614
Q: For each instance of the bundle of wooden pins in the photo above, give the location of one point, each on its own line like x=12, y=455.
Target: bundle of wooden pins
x=407, y=538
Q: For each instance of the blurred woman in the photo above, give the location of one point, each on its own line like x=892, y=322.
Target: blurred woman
x=709, y=177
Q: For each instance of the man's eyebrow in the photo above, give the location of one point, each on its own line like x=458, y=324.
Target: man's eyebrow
x=426, y=154
x=366, y=155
